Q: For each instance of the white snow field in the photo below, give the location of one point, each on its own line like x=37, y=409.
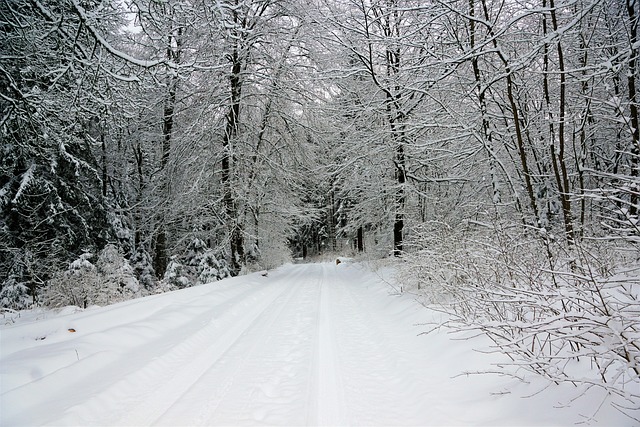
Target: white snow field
x=312, y=344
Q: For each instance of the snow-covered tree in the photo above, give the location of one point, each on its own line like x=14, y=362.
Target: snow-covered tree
x=50, y=202
x=199, y=265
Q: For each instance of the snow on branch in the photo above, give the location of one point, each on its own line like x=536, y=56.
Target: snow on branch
x=570, y=316
x=27, y=177
x=84, y=17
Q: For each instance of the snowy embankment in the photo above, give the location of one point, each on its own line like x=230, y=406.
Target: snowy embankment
x=309, y=344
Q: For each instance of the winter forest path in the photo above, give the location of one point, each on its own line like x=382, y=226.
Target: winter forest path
x=311, y=344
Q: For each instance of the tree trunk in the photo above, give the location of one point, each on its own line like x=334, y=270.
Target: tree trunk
x=522, y=152
x=161, y=256
x=396, y=119
x=586, y=122
x=331, y=219
x=487, y=140
x=558, y=161
x=398, y=224
x=236, y=232
x=160, y=252
x=633, y=105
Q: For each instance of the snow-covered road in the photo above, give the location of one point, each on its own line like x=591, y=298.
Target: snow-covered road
x=313, y=344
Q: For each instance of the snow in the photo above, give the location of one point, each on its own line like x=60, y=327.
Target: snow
x=310, y=344
x=27, y=177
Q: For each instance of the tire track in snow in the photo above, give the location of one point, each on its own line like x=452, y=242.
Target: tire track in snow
x=385, y=381
x=326, y=397
x=143, y=392
x=313, y=344
x=261, y=377
x=124, y=359
x=190, y=371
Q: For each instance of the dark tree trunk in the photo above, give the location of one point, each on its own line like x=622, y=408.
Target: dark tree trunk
x=487, y=139
x=105, y=175
x=390, y=24
x=520, y=140
x=331, y=220
x=236, y=232
x=633, y=105
x=360, y=239
x=160, y=253
x=398, y=224
x=559, y=164
x=161, y=256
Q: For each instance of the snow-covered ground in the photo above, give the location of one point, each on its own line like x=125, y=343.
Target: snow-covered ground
x=308, y=344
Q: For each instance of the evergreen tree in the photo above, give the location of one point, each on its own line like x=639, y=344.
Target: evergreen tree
x=51, y=208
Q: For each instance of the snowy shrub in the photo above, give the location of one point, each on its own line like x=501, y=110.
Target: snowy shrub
x=569, y=314
x=253, y=257
x=205, y=264
x=618, y=197
x=74, y=286
x=110, y=280
x=14, y=291
x=175, y=276
x=23, y=273
x=198, y=266
x=252, y=253
x=15, y=295
x=122, y=231
x=117, y=273
x=143, y=268
x=211, y=269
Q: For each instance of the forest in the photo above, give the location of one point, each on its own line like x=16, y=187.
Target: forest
x=490, y=147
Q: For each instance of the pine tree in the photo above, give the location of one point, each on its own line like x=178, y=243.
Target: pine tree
x=51, y=207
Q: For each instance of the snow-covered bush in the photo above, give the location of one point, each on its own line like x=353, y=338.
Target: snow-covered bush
x=211, y=268
x=15, y=295
x=110, y=280
x=14, y=292
x=198, y=266
x=252, y=253
x=22, y=275
x=122, y=230
x=143, y=268
x=74, y=286
x=116, y=273
x=570, y=314
x=175, y=276
x=619, y=200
